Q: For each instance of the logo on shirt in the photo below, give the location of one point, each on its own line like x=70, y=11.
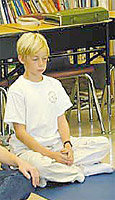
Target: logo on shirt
x=52, y=96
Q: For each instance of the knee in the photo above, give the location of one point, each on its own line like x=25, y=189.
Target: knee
x=37, y=160
x=105, y=142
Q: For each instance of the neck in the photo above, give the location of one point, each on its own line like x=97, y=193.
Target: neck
x=33, y=78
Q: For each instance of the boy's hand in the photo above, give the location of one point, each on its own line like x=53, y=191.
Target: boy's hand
x=29, y=171
x=60, y=157
x=65, y=156
x=69, y=153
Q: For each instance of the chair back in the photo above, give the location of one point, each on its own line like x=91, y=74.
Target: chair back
x=3, y=99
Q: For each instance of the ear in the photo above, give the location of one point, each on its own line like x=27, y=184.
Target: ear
x=21, y=59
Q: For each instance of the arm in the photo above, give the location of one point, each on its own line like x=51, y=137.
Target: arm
x=64, y=131
x=25, y=168
x=31, y=143
x=63, y=128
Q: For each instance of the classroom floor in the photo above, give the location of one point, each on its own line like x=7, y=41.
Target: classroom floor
x=88, y=129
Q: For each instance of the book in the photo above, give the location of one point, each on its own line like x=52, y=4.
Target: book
x=58, y=5
x=76, y=3
x=94, y=3
x=27, y=7
x=67, y=6
x=10, y=13
x=55, y=4
x=28, y=20
x=72, y=4
x=88, y=3
x=43, y=7
x=104, y=3
x=5, y=8
x=39, y=7
x=83, y=3
x=13, y=8
x=35, y=6
x=38, y=16
x=48, y=6
x=77, y=16
x=30, y=6
x=17, y=8
x=79, y=1
x=20, y=6
x=3, y=17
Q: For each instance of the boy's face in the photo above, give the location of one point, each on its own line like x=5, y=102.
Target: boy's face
x=35, y=65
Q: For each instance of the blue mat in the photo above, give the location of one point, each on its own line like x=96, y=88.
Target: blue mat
x=97, y=187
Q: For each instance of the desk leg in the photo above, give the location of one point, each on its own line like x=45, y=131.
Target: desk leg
x=108, y=79
x=109, y=107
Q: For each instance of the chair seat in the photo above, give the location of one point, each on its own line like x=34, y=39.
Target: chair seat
x=7, y=82
x=4, y=83
x=72, y=72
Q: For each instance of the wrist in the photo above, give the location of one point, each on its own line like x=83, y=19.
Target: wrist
x=17, y=161
x=67, y=144
x=51, y=155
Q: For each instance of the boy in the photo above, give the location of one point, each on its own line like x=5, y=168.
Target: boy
x=13, y=185
x=35, y=107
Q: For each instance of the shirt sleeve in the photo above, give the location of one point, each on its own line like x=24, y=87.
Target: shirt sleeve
x=15, y=108
x=63, y=101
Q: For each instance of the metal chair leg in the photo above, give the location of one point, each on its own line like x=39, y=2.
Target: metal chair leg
x=72, y=98
x=104, y=99
x=112, y=74
x=3, y=98
x=90, y=102
x=78, y=100
x=96, y=102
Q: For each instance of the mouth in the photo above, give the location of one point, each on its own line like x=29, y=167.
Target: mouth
x=40, y=70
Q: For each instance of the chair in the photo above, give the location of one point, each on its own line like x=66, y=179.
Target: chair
x=112, y=71
x=112, y=84
x=71, y=71
x=4, y=129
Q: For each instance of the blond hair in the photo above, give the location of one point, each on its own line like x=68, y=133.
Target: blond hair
x=30, y=43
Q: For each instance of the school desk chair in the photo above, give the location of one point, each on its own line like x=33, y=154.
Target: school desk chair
x=4, y=128
x=112, y=72
x=112, y=84
x=3, y=99
x=67, y=71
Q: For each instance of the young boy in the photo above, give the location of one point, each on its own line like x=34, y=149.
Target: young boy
x=35, y=107
x=13, y=184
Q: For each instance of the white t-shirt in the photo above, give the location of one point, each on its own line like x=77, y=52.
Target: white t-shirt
x=36, y=105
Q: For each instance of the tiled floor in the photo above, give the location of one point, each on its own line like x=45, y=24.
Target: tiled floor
x=88, y=129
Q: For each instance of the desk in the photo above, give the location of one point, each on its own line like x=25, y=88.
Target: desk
x=62, y=38
x=8, y=37
x=112, y=25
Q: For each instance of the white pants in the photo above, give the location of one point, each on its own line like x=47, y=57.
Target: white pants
x=87, y=152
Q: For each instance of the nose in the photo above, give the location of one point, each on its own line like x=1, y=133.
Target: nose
x=40, y=61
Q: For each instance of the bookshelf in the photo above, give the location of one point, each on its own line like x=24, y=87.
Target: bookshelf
x=10, y=10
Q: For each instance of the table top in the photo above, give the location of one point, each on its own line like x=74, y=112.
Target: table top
x=112, y=14
x=42, y=26
x=4, y=29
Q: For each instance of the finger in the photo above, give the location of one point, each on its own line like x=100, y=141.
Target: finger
x=64, y=151
x=35, y=178
x=64, y=157
x=26, y=174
